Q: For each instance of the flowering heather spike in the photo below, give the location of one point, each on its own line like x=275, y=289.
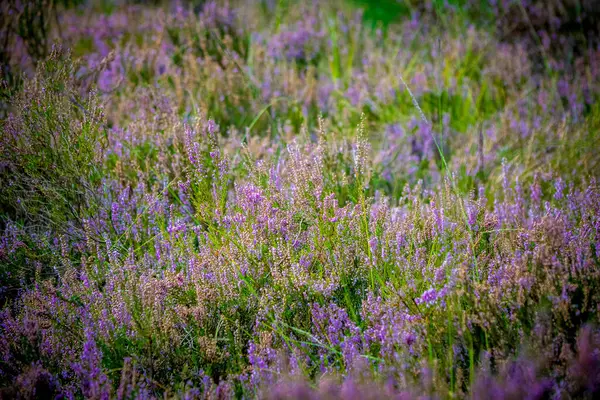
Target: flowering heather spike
x=361, y=150
x=94, y=383
x=559, y=187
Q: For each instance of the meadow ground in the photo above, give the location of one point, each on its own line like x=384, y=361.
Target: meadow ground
x=300, y=200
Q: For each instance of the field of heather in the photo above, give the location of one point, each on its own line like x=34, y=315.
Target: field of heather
x=322, y=199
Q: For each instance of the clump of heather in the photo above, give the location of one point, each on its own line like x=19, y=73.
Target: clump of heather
x=271, y=200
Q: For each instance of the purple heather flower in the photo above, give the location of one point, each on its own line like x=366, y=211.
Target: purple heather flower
x=559, y=187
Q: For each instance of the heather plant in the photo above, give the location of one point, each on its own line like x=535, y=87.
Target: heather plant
x=52, y=145
x=217, y=200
